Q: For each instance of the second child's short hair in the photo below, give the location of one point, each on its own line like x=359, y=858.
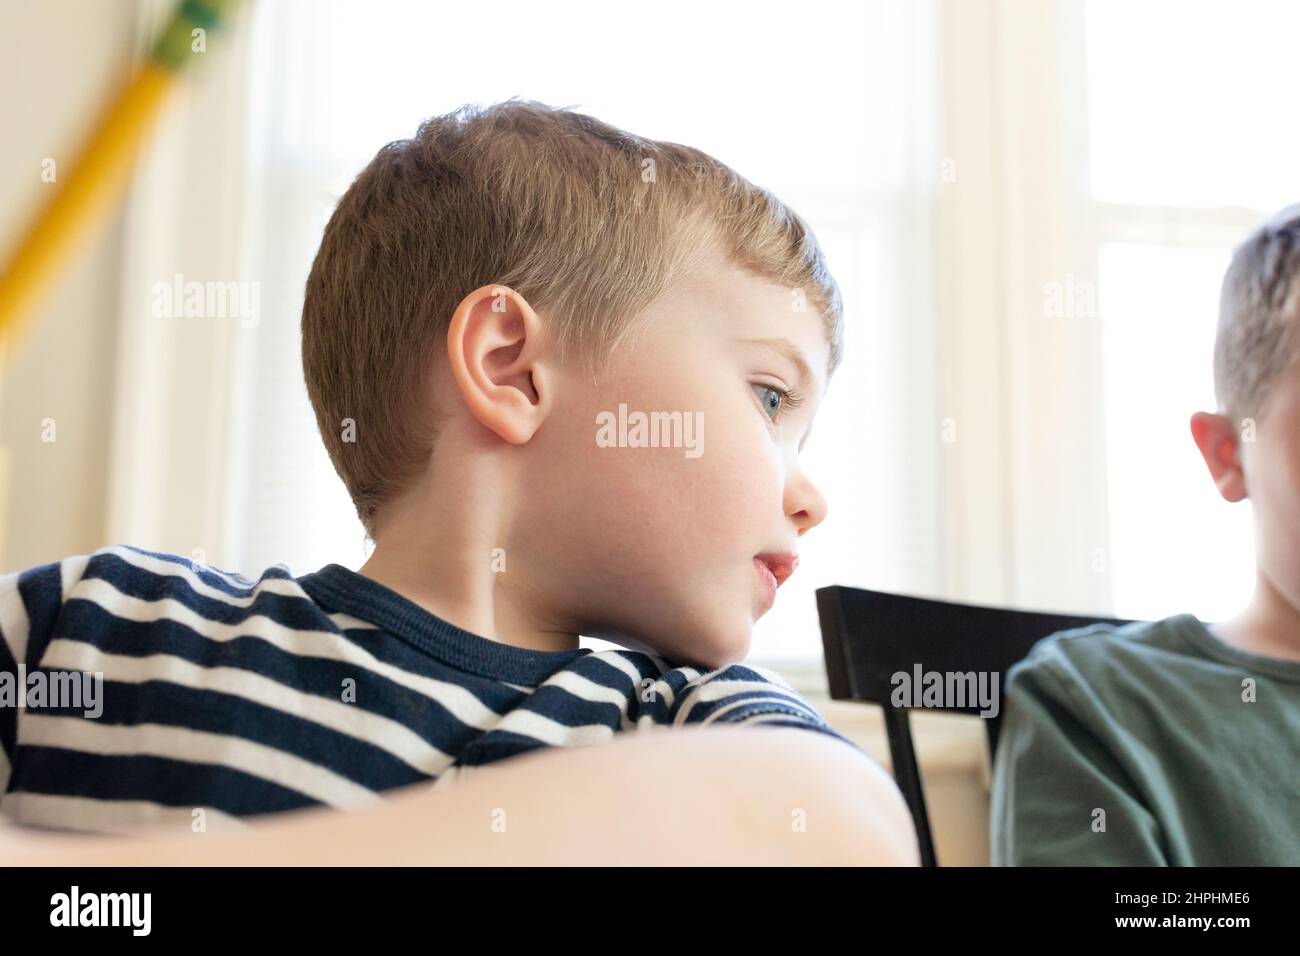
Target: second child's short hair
x=1259, y=311
x=591, y=224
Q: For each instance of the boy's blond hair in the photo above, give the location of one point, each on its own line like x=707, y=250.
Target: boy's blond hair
x=589, y=223
x=1259, y=310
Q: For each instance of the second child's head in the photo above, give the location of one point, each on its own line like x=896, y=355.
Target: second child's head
x=1252, y=443
x=606, y=351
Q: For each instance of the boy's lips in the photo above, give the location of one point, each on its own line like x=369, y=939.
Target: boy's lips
x=773, y=569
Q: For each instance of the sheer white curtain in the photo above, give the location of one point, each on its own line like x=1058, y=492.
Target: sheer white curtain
x=829, y=105
x=172, y=431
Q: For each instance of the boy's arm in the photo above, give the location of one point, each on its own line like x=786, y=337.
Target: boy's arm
x=30, y=603
x=674, y=797
x=1059, y=797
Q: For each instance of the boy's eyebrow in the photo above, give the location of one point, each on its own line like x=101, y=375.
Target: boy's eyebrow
x=789, y=350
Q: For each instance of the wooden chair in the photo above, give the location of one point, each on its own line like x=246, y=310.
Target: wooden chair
x=870, y=636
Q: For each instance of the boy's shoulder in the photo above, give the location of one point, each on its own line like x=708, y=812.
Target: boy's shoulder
x=1178, y=651
x=1101, y=651
x=132, y=570
x=1132, y=679
x=148, y=572
x=95, y=598
x=1098, y=674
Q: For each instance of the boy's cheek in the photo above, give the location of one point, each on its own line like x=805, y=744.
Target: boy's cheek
x=718, y=498
x=1275, y=460
x=1273, y=477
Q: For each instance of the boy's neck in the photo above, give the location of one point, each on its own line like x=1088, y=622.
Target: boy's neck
x=436, y=550
x=1269, y=626
x=459, y=597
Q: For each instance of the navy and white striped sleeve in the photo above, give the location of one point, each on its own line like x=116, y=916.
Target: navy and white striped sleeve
x=30, y=601
x=745, y=694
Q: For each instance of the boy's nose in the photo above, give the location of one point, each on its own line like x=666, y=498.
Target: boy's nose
x=805, y=504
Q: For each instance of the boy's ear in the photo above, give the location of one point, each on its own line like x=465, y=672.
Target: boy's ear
x=496, y=347
x=1217, y=440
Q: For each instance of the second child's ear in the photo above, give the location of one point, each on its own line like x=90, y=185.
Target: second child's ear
x=1220, y=446
x=496, y=346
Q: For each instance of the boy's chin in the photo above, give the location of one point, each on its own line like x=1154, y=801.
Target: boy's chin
x=715, y=649
x=704, y=647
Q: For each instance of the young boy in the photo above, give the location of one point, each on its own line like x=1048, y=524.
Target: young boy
x=565, y=374
x=1176, y=742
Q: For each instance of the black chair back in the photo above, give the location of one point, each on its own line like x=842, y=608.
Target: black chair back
x=870, y=636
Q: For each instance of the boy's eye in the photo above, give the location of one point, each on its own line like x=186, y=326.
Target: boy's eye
x=771, y=398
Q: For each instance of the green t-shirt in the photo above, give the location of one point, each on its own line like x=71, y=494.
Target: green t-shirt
x=1146, y=745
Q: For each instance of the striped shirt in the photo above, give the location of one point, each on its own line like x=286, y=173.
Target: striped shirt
x=140, y=688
